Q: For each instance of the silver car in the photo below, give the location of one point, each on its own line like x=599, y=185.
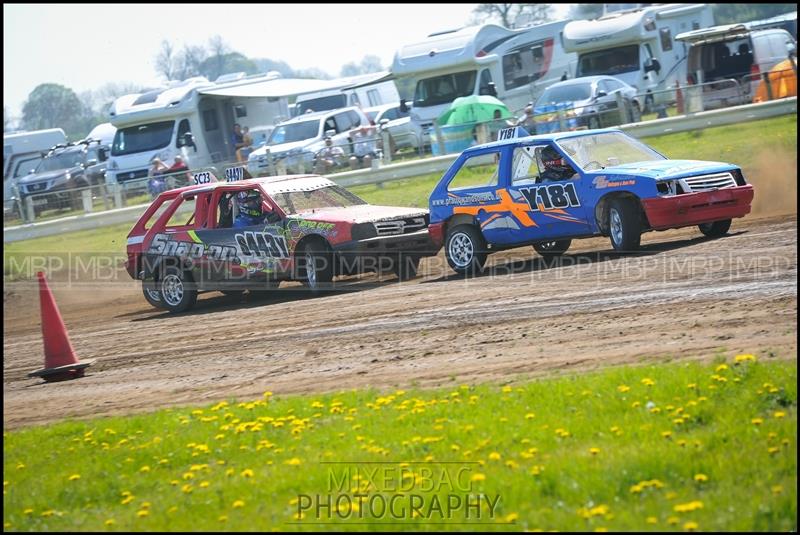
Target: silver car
x=402, y=131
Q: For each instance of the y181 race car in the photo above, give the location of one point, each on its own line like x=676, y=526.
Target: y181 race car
x=252, y=234
x=547, y=190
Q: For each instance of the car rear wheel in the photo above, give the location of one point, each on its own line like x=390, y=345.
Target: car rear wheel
x=152, y=294
x=624, y=225
x=715, y=229
x=549, y=249
x=316, y=266
x=465, y=250
x=178, y=291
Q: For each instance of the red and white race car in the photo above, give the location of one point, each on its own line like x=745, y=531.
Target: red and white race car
x=199, y=238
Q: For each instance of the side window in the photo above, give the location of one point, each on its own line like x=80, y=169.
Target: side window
x=666, y=39
x=476, y=172
x=210, y=120
x=183, y=128
x=513, y=70
x=486, y=79
x=354, y=100
x=91, y=154
x=184, y=215
x=390, y=114
x=374, y=97
x=225, y=208
x=355, y=118
x=525, y=167
x=330, y=124
x=603, y=85
x=343, y=122
x=648, y=53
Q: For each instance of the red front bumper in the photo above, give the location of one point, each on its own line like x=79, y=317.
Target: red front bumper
x=436, y=230
x=696, y=208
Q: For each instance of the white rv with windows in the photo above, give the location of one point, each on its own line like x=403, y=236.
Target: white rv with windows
x=637, y=46
x=156, y=123
x=364, y=91
x=517, y=65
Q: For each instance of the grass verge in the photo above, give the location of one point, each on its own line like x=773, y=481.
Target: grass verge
x=668, y=447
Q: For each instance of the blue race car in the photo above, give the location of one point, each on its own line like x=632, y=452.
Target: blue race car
x=547, y=190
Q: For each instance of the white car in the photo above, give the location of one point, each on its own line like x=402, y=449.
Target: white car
x=293, y=144
x=403, y=132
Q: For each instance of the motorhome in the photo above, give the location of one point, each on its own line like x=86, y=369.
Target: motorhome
x=637, y=46
x=22, y=152
x=363, y=91
x=513, y=65
x=195, y=118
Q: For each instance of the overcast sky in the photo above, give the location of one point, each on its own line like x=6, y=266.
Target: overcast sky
x=83, y=46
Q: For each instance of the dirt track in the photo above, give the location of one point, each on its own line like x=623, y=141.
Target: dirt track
x=684, y=297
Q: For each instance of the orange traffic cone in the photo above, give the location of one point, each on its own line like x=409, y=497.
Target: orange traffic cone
x=679, y=98
x=60, y=362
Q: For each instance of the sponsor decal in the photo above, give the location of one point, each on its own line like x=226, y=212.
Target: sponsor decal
x=468, y=199
x=256, y=246
x=164, y=245
x=601, y=182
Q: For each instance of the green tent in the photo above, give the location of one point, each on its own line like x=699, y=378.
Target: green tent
x=473, y=109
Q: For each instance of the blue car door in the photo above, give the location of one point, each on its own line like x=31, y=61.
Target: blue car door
x=543, y=209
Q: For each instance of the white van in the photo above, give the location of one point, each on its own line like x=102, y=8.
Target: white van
x=733, y=52
x=22, y=152
x=638, y=46
x=363, y=91
x=513, y=65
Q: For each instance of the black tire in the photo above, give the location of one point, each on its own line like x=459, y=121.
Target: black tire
x=465, y=250
x=624, y=225
x=551, y=249
x=315, y=262
x=152, y=294
x=405, y=267
x=178, y=290
x=715, y=229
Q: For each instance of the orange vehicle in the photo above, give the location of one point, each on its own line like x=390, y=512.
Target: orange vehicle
x=782, y=80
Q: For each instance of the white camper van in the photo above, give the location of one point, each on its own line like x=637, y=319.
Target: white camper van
x=22, y=152
x=195, y=118
x=363, y=91
x=637, y=46
x=516, y=65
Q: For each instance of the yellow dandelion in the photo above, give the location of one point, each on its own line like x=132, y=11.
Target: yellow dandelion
x=204, y=484
x=494, y=456
x=511, y=517
x=673, y=520
x=700, y=478
x=294, y=461
x=690, y=526
x=773, y=450
x=777, y=489
x=600, y=529
x=127, y=500
x=187, y=488
x=222, y=518
x=28, y=511
x=238, y=504
x=648, y=382
x=507, y=389
x=756, y=421
x=74, y=477
x=142, y=513
x=48, y=513
x=778, y=414
x=721, y=368
x=144, y=468
x=651, y=520
x=247, y=472
x=594, y=451
x=110, y=522
x=530, y=416
x=623, y=388
x=267, y=394
x=666, y=434
x=745, y=358
x=688, y=507
x=478, y=477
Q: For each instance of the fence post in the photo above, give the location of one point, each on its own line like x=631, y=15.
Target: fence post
x=765, y=77
x=622, y=109
x=86, y=197
x=118, y=201
x=387, y=146
x=29, y=211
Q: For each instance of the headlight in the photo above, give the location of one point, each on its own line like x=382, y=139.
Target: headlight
x=362, y=231
x=67, y=177
x=666, y=187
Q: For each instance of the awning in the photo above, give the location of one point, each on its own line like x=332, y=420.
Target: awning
x=279, y=87
x=369, y=79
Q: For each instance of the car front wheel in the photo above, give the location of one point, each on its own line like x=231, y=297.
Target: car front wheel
x=624, y=225
x=316, y=266
x=465, y=250
x=715, y=229
x=178, y=291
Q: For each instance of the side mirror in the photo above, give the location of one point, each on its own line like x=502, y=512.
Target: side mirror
x=102, y=153
x=383, y=122
x=188, y=141
x=601, y=94
x=652, y=65
x=91, y=162
x=403, y=106
x=492, y=89
x=30, y=172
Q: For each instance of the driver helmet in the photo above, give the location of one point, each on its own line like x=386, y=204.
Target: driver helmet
x=249, y=203
x=553, y=161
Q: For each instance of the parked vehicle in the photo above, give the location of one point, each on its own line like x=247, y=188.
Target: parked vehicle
x=312, y=230
x=590, y=102
x=549, y=189
x=638, y=46
x=733, y=51
x=292, y=144
x=512, y=65
x=362, y=91
x=22, y=152
x=402, y=131
x=57, y=180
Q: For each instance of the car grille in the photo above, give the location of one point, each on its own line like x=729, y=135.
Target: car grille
x=400, y=226
x=131, y=175
x=34, y=188
x=709, y=182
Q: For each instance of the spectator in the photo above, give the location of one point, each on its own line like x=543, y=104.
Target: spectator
x=157, y=183
x=247, y=148
x=177, y=167
x=328, y=157
x=237, y=138
x=364, y=147
x=526, y=120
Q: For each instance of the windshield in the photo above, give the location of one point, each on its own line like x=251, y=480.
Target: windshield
x=609, y=61
x=444, y=89
x=565, y=93
x=327, y=197
x=141, y=138
x=64, y=160
x=599, y=151
x=290, y=133
x=330, y=102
